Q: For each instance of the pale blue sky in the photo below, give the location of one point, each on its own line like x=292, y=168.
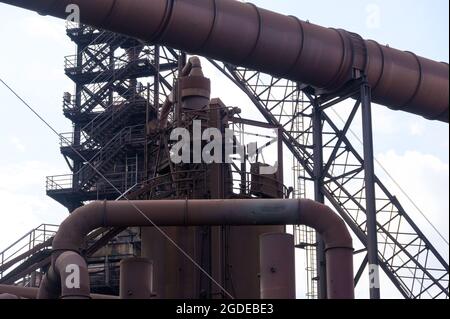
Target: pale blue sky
x=32, y=53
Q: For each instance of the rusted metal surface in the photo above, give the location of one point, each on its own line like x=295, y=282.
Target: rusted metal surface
x=338, y=252
x=8, y=296
x=195, y=88
x=64, y=268
x=284, y=46
x=165, y=261
x=66, y=265
x=136, y=276
x=243, y=259
x=266, y=185
x=174, y=275
x=277, y=271
x=31, y=292
x=28, y=293
x=338, y=241
x=235, y=253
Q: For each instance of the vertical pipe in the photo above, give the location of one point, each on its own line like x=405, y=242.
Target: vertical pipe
x=319, y=197
x=243, y=178
x=33, y=279
x=217, y=183
x=277, y=266
x=156, y=79
x=107, y=273
x=369, y=178
x=243, y=164
x=340, y=284
x=136, y=276
x=280, y=168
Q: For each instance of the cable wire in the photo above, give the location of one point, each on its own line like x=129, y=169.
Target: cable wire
x=395, y=182
x=116, y=189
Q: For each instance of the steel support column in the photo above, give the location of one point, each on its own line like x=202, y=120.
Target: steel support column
x=318, y=195
x=369, y=178
x=280, y=166
x=77, y=127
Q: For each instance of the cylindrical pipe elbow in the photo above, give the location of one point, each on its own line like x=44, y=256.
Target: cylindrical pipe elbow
x=73, y=273
x=338, y=241
x=67, y=278
x=326, y=222
x=338, y=247
x=73, y=229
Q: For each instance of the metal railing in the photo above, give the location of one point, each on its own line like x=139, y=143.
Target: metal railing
x=122, y=181
x=130, y=134
x=118, y=110
x=59, y=182
x=71, y=63
x=25, y=243
x=258, y=183
x=75, y=27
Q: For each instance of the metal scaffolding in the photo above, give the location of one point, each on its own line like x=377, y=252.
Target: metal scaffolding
x=405, y=254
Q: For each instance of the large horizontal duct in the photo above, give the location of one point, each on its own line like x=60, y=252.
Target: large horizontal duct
x=284, y=46
x=72, y=232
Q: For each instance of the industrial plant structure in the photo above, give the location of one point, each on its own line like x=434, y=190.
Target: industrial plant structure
x=144, y=226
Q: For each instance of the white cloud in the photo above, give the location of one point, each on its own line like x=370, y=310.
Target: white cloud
x=24, y=204
x=416, y=128
x=37, y=27
x=17, y=176
x=384, y=122
x=22, y=212
x=17, y=144
x=425, y=178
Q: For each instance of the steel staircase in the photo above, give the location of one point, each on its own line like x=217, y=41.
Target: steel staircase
x=102, y=127
x=109, y=154
x=25, y=261
x=31, y=248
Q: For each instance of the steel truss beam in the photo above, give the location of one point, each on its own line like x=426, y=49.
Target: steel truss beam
x=407, y=257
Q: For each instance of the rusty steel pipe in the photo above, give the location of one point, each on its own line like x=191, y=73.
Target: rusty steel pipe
x=8, y=297
x=49, y=288
x=21, y=292
x=72, y=271
x=277, y=271
x=67, y=278
x=244, y=212
x=32, y=293
x=284, y=46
